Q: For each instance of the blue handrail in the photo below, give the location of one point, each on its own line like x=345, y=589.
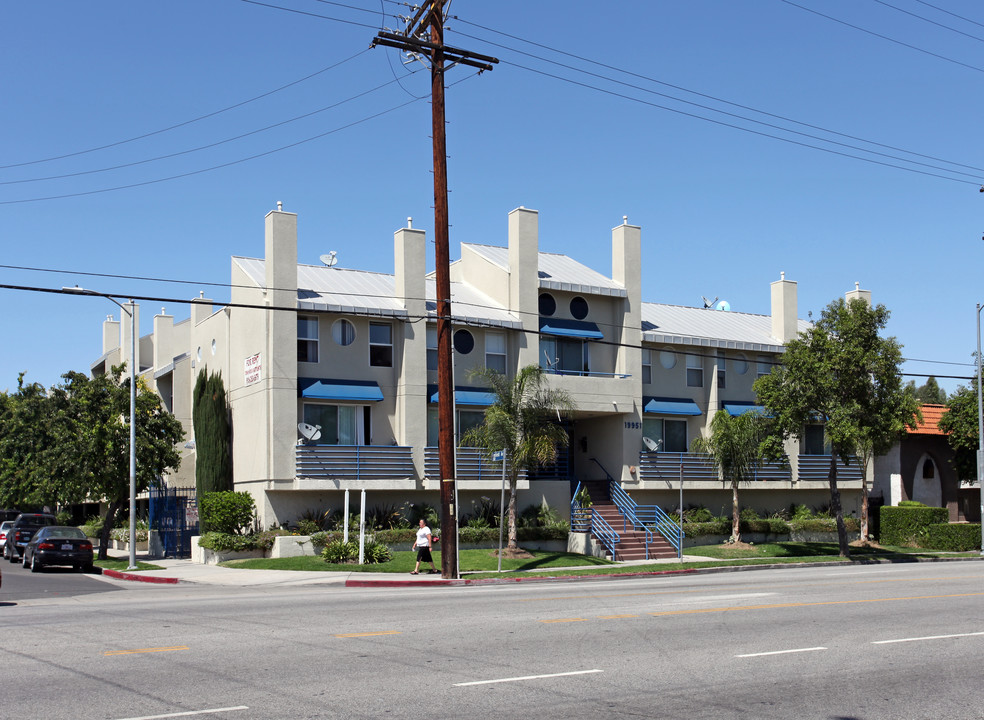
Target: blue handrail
x=585, y=519
x=640, y=514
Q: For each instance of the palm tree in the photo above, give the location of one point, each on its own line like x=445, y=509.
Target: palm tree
x=736, y=446
x=521, y=421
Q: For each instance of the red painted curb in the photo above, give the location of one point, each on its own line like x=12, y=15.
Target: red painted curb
x=140, y=578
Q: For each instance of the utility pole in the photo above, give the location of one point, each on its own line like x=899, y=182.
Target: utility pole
x=430, y=15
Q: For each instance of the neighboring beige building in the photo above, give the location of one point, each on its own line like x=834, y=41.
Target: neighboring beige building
x=354, y=353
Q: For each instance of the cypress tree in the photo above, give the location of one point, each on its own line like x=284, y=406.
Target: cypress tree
x=210, y=417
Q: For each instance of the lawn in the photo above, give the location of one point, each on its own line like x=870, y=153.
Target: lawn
x=123, y=563
x=403, y=562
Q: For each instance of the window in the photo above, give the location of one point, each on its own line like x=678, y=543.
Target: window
x=667, y=358
x=340, y=424
x=307, y=339
x=343, y=332
x=464, y=342
x=672, y=433
x=814, y=441
x=380, y=344
x=467, y=419
x=647, y=366
x=564, y=356
x=763, y=365
x=579, y=308
x=928, y=470
x=695, y=371
x=432, y=348
x=741, y=364
x=721, y=371
x=548, y=306
x=495, y=352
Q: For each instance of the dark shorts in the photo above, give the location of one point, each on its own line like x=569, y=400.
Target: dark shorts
x=424, y=554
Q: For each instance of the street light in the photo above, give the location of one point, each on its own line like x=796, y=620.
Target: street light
x=133, y=404
x=980, y=424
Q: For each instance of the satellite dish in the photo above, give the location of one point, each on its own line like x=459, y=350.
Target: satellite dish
x=723, y=305
x=330, y=258
x=708, y=303
x=651, y=445
x=309, y=432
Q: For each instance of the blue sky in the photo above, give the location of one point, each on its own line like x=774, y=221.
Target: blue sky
x=584, y=140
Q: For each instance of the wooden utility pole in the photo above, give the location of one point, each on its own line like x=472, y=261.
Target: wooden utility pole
x=431, y=14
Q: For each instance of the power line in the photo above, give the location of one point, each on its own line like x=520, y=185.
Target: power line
x=202, y=147
x=885, y=37
x=944, y=10
x=926, y=19
x=689, y=91
x=186, y=122
x=310, y=14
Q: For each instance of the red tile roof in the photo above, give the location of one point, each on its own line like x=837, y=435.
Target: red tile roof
x=931, y=417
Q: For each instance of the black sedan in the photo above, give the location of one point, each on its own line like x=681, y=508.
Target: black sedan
x=58, y=545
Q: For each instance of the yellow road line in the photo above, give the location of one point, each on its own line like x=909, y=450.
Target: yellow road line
x=144, y=650
x=368, y=634
x=616, y=617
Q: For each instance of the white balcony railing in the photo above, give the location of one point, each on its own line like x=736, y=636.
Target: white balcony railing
x=354, y=462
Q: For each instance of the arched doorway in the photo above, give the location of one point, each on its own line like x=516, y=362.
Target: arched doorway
x=926, y=483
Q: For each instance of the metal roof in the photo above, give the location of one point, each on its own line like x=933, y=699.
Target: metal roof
x=557, y=272
x=678, y=325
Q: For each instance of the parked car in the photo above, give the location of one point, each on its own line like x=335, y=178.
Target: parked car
x=4, y=529
x=58, y=545
x=22, y=531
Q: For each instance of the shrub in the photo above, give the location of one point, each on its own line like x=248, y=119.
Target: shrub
x=824, y=524
x=264, y=540
x=748, y=514
x=324, y=519
x=307, y=527
x=485, y=513
x=801, y=512
x=386, y=517
x=911, y=503
x=374, y=553
x=698, y=514
x=226, y=542
x=320, y=539
x=960, y=537
x=903, y=525
x=226, y=512
x=92, y=527
x=541, y=515
x=336, y=552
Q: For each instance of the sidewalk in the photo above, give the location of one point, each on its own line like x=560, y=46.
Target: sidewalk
x=184, y=571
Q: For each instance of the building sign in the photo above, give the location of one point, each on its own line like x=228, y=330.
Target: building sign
x=252, y=369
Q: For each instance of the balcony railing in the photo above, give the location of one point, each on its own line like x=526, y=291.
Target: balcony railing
x=817, y=467
x=354, y=462
x=666, y=466
x=470, y=464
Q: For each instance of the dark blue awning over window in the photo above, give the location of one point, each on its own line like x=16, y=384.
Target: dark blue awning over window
x=352, y=390
x=465, y=396
x=740, y=408
x=669, y=406
x=570, y=328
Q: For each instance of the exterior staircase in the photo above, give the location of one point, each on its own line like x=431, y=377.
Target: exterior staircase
x=632, y=545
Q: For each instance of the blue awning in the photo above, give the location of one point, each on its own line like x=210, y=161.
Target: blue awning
x=465, y=396
x=669, y=406
x=352, y=390
x=740, y=408
x=570, y=328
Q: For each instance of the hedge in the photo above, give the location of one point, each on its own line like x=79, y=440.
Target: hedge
x=955, y=538
x=904, y=525
x=773, y=526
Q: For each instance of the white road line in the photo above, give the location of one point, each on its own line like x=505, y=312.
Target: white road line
x=719, y=598
x=188, y=713
x=781, y=652
x=526, y=677
x=928, y=637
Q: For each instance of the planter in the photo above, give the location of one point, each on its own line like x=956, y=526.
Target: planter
x=291, y=546
x=204, y=556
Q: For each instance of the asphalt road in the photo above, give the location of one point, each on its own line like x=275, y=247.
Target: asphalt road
x=21, y=584
x=867, y=642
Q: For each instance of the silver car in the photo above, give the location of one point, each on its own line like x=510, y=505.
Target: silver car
x=4, y=529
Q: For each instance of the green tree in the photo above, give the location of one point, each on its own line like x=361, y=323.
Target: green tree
x=737, y=446
x=842, y=372
x=210, y=418
x=931, y=393
x=959, y=423
x=521, y=421
x=93, y=443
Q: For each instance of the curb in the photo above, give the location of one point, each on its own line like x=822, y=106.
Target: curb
x=618, y=576
x=135, y=577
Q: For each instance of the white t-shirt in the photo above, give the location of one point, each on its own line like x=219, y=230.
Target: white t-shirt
x=422, y=534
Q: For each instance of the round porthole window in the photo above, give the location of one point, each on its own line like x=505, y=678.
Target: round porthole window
x=464, y=342
x=579, y=308
x=343, y=332
x=740, y=364
x=667, y=359
x=548, y=306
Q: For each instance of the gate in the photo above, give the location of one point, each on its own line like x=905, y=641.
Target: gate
x=174, y=515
